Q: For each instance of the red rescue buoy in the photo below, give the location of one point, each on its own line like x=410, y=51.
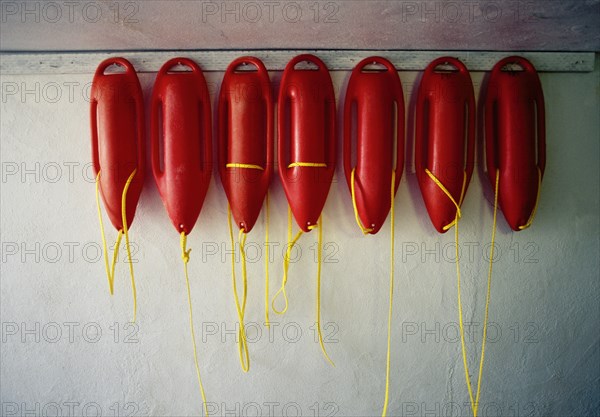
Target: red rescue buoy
x=377, y=96
x=246, y=138
x=118, y=153
x=118, y=142
x=375, y=104
x=181, y=126
x=444, y=139
x=246, y=164
x=306, y=153
x=515, y=138
x=306, y=138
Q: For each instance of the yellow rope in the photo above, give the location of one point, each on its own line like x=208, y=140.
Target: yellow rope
x=445, y=191
x=249, y=166
x=267, y=321
x=365, y=230
x=391, y=289
x=308, y=164
x=286, y=265
x=243, y=345
x=114, y=259
x=286, y=262
x=185, y=256
x=242, y=242
x=475, y=399
x=389, y=327
x=252, y=166
x=110, y=271
x=126, y=233
x=537, y=199
x=319, y=262
x=242, y=342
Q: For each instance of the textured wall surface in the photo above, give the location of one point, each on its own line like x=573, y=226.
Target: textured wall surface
x=528, y=25
x=67, y=347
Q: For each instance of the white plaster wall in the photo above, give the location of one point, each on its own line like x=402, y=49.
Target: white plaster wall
x=543, y=357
